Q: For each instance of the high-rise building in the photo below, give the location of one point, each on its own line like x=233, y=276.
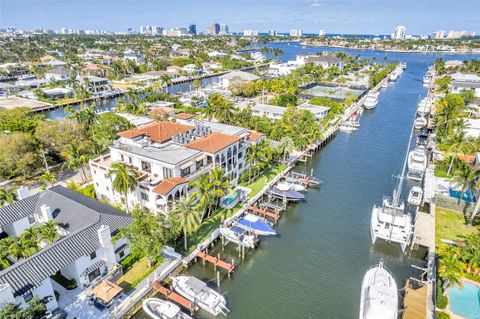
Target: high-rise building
x=223, y=29
x=440, y=34
x=272, y=33
x=250, y=33
x=399, y=33
x=214, y=29
x=296, y=33
x=321, y=33
x=192, y=29
x=460, y=34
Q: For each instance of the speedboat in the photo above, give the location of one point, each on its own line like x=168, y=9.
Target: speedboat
x=162, y=309
x=239, y=236
x=424, y=107
x=415, y=196
x=254, y=224
x=294, y=184
x=284, y=191
x=419, y=123
x=379, y=297
x=385, y=85
x=390, y=223
x=199, y=293
x=348, y=126
x=427, y=79
x=371, y=101
x=393, y=77
x=417, y=161
x=403, y=65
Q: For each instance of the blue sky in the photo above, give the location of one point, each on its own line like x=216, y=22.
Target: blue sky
x=335, y=16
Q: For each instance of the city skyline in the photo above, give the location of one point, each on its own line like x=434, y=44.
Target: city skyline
x=359, y=17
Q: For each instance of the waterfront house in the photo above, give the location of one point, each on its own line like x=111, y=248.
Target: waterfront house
x=281, y=69
x=83, y=251
x=274, y=112
x=95, y=70
x=174, y=70
x=132, y=56
x=324, y=60
x=58, y=74
x=95, y=84
x=58, y=93
x=190, y=68
x=453, y=63
x=209, y=67
x=465, y=81
x=235, y=77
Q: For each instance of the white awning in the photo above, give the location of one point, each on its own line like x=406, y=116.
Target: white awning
x=186, y=165
x=201, y=157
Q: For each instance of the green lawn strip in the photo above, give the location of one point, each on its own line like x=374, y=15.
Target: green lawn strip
x=136, y=273
x=213, y=222
x=450, y=225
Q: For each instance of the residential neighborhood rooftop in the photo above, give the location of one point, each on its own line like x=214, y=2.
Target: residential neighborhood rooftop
x=213, y=142
x=157, y=132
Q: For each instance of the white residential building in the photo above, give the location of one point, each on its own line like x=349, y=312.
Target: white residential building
x=58, y=74
x=460, y=34
x=275, y=112
x=250, y=33
x=440, y=34
x=296, y=33
x=237, y=76
x=321, y=33
x=462, y=82
x=399, y=33
x=324, y=60
x=83, y=251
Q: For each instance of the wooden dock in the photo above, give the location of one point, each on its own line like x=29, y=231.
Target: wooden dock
x=216, y=261
x=173, y=296
x=415, y=302
x=264, y=212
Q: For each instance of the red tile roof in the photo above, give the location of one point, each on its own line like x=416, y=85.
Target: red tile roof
x=254, y=136
x=214, y=142
x=184, y=116
x=158, y=132
x=167, y=185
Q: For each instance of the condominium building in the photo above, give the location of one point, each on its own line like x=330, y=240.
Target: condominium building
x=440, y=34
x=250, y=33
x=296, y=33
x=460, y=34
x=168, y=156
x=399, y=33
x=223, y=29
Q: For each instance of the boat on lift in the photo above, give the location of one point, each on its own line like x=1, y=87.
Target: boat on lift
x=199, y=293
x=162, y=309
x=239, y=236
x=256, y=225
x=379, y=296
x=419, y=123
x=284, y=191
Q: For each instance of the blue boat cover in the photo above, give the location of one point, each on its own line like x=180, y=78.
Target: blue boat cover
x=258, y=225
x=238, y=230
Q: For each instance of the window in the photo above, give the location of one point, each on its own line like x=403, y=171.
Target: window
x=144, y=196
x=94, y=274
x=121, y=254
x=27, y=297
x=93, y=255
x=31, y=219
x=167, y=173
x=146, y=167
x=184, y=172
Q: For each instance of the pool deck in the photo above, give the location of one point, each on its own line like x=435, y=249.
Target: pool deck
x=415, y=303
x=448, y=310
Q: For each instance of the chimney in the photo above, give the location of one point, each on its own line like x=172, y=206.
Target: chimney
x=45, y=213
x=23, y=192
x=104, y=236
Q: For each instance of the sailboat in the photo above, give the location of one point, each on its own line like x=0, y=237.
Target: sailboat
x=389, y=221
x=379, y=298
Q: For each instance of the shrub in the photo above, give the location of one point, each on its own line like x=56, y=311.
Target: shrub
x=443, y=315
x=128, y=262
x=442, y=301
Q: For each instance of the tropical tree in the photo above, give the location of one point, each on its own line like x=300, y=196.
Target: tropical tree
x=458, y=143
x=124, y=180
x=451, y=267
x=48, y=178
x=76, y=160
x=203, y=194
x=186, y=217
x=285, y=146
x=7, y=195
x=167, y=80
x=464, y=178
x=48, y=231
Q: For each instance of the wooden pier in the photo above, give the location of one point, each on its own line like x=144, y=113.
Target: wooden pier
x=264, y=212
x=216, y=261
x=415, y=302
x=173, y=296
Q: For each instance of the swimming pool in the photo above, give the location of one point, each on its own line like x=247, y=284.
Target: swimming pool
x=467, y=196
x=231, y=199
x=465, y=302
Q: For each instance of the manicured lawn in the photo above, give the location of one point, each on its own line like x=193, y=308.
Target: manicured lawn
x=450, y=225
x=210, y=224
x=135, y=274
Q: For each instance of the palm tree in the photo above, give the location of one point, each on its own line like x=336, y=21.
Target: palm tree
x=476, y=209
x=220, y=184
x=5, y=252
x=124, y=180
x=459, y=142
x=48, y=231
x=167, y=80
x=451, y=267
x=48, y=178
x=464, y=178
x=203, y=193
x=7, y=195
x=285, y=146
x=75, y=160
x=185, y=216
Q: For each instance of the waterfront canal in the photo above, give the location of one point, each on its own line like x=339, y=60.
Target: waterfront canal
x=314, y=268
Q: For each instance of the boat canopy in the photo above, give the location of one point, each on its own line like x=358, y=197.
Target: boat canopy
x=249, y=221
x=196, y=284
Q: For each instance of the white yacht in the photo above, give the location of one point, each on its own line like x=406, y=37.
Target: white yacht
x=415, y=196
x=348, y=126
x=162, y=309
x=403, y=65
x=424, y=106
x=199, y=293
x=417, y=161
x=427, y=79
x=419, y=123
x=379, y=297
x=389, y=221
x=239, y=236
x=385, y=85
x=371, y=101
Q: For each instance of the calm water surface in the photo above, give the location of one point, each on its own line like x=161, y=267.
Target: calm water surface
x=315, y=267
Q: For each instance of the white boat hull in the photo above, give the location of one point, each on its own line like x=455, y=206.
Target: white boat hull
x=162, y=309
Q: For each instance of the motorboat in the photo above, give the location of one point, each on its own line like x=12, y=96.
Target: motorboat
x=417, y=161
x=256, y=225
x=385, y=85
x=284, y=191
x=162, y=309
x=403, y=65
x=348, y=126
x=371, y=101
x=199, y=293
x=419, y=123
x=393, y=77
x=389, y=221
x=311, y=180
x=427, y=79
x=424, y=107
x=379, y=297
x=294, y=184
x=415, y=196
x=239, y=236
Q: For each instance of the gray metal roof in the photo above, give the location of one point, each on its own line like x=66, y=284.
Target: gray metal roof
x=80, y=215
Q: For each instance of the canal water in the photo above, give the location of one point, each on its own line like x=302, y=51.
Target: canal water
x=314, y=268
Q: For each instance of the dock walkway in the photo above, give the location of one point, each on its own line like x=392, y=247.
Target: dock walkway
x=415, y=302
x=171, y=295
x=216, y=261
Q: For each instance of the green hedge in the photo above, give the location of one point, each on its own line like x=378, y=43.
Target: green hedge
x=443, y=315
x=442, y=301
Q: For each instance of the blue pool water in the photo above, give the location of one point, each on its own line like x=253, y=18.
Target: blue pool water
x=455, y=193
x=230, y=198
x=465, y=302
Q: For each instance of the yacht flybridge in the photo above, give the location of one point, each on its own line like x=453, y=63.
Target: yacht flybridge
x=389, y=221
